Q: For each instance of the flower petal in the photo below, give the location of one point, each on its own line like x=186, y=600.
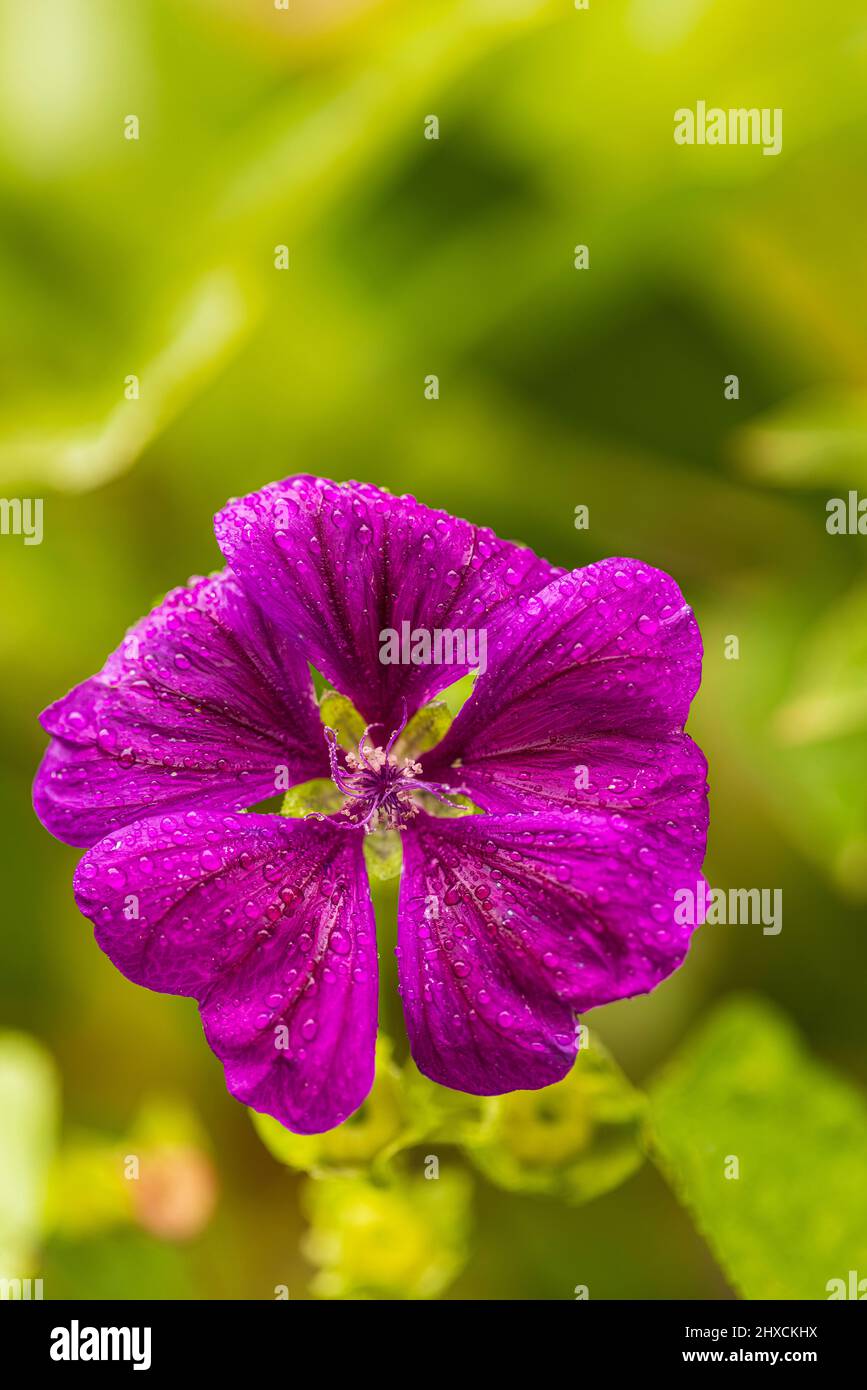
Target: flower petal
x=200, y=705
x=510, y=925
x=268, y=923
x=584, y=702
x=336, y=565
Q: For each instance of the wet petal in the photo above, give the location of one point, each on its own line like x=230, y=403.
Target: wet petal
x=203, y=705
x=336, y=565
x=267, y=922
x=511, y=925
x=584, y=702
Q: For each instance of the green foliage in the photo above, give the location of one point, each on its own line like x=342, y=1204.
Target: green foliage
x=157, y=1175
x=383, y=854
x=319, y=794
x=574, y=1140
x=455, y=696
x=403, y=1240
x=427, y=727
x=339, y=713
x=558, y=387
x=88, y=1194
x=812, y=441
x=829, y=696
x=125, y=1259
x=744, y=1096
x=30, y=1111
x=821, y=733
x=356, y=1144
x=407, y=1149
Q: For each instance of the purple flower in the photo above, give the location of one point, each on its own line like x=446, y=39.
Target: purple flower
x=557, y=898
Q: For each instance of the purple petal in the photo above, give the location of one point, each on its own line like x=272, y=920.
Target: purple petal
x=200, y=706
x=584, y=702
x=336, y=565
x=510, y=925
x=267, y=922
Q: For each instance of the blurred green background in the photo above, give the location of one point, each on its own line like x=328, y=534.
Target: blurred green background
x=261, y=128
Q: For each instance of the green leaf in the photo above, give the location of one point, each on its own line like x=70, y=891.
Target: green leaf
x=435, y=1112
x=455, y=696
x=88, y=1193
x=340, y=714
x=205, y=330
x=821, y=732
x=319, y=794
x=456, y=805
x=30, y=1107
x=403, y=1110
x=830, y=699
x=574, y=1140
x=816, y=439
x=127, y=1259
x=425, y=730
x=744, y=1096
x=801, y=744
x=405, y=1239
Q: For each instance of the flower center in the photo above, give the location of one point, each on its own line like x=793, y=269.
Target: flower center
x=380, y=787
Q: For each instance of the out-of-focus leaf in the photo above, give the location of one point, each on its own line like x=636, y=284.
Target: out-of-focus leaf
x=353, y=1146
x=403, y=1240
x=809, y=441
x=113, y=1264
x=30, y=1107
x=208, y=325
x=814, y=785
x=434, y=1113
x=820, y=737
x=158, y=1176
x=574, y=1140
x=404, y=1109
x=745, y=1097
x=88, y=1192
x=830, y=699
x=165, y=1120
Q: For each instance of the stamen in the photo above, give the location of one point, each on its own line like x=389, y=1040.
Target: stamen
x=380, y=790
x=400, y=728
x=337, y=775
